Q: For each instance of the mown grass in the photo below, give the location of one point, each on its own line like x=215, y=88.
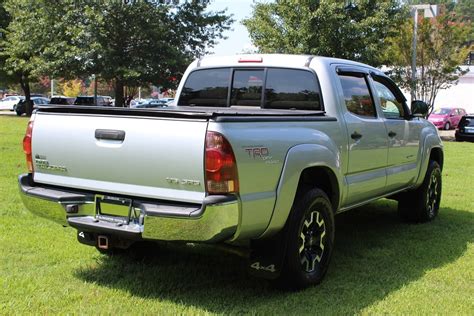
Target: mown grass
x=380, y=265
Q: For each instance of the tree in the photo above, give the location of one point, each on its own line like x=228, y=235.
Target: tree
x=5, y=19
x=441, y=49
x=71, y=88
x=462, y=9
x=131, y=43
x=21, y=47
x=327, y=28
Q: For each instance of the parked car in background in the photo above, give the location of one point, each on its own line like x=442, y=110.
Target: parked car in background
x=167, y=99
x=62, y=100
x=20, y=108
x=89, y=100
x=10, y=102
x=152, y=103
x=465, y=130
x=108, y=100
x=446, y=118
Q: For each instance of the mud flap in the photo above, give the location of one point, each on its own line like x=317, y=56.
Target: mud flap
x=267, y=256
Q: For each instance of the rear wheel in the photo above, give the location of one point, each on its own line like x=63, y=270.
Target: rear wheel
x=422, y=204
x=310, y=241
x=447, y=126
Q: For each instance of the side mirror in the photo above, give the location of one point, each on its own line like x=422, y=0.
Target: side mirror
x=419, y=108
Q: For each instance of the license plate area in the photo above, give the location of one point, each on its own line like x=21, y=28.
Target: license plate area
x=113, y=209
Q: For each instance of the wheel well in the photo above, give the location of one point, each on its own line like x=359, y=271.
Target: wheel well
x=436, y=154
x=322, y=178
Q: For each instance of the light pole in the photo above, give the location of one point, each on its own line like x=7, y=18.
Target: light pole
x=95, y=88
x=429, y=11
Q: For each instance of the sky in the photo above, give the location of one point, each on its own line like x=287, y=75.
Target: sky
x=238, y=37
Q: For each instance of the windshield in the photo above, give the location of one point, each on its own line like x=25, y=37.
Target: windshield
x=467, y=121
x=442, y=111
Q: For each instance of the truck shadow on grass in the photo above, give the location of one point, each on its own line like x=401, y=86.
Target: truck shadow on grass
x=375, y=254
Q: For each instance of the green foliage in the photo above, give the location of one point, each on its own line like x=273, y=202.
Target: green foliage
x=71, y=88
x=128, y=42
x=5, y=18
x=463, y=9
x=440, y=50
x=324, y=28
x=131, y=44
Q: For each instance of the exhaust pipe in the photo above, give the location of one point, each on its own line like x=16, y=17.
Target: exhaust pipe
x=103, y=242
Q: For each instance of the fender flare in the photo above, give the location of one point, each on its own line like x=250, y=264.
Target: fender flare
x=431, y=141
x=299, y=158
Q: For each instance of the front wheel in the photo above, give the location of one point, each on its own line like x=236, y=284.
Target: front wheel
x=447, y=126
x=422, y=204
x=310, y=240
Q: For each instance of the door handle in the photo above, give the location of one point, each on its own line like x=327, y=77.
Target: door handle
x=109, y=134
x=356, y=136
x=392, y=134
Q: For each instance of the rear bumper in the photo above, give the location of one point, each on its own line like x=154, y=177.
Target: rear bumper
x=213, y=221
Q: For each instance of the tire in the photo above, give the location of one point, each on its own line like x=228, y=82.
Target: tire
x=447, y=126
x=422, y=205
x=18, y=113
x=310, y=241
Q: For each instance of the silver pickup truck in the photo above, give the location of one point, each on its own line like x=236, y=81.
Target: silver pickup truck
x=259, y=151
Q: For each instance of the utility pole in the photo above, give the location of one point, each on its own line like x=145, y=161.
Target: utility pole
x=429, y=11
x=95, y=89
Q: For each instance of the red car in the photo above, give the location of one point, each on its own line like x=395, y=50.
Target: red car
x=446, y=118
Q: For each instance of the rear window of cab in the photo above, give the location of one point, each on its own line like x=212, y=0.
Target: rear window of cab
x=273, y=88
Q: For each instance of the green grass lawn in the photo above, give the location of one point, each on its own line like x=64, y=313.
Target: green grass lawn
x=380, y=265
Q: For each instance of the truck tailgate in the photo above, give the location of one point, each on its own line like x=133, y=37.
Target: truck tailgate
x=160, y=158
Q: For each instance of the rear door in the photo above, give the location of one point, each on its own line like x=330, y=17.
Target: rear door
x=160, y=158
x=367, y=137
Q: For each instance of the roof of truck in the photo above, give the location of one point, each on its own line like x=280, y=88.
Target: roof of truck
x=266, y=60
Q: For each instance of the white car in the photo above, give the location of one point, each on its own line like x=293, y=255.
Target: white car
x=9, y=103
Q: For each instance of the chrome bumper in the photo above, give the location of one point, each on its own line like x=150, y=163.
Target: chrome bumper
x=213, y=221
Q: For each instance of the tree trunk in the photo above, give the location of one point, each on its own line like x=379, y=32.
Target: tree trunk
x=25, y=86
x=119, y=100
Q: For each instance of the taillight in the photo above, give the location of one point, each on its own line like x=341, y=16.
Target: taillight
x=221, y=168
x=27, y=146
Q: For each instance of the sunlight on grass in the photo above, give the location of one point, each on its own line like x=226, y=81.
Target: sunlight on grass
x=380, y=265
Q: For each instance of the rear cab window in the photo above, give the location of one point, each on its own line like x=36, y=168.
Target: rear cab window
x=273, y=88
x=357, y=95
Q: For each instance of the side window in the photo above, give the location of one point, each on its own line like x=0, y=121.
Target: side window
x=247, y=87
x=207, y=87
x=291, y=89
x=391, y=107
x=357, y=95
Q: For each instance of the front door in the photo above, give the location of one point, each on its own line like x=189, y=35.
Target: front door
x=403, y=135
